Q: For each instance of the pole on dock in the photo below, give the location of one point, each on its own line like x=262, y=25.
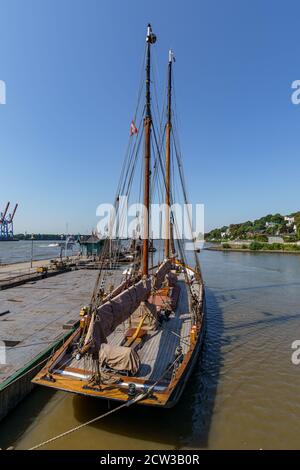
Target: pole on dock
x=32, y=238
x=66, y=245
x=61, y=247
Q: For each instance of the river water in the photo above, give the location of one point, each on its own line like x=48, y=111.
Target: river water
x=18, y=251
x=243, y=394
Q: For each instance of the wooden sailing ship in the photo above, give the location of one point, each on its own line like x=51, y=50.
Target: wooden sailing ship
x=141, y=334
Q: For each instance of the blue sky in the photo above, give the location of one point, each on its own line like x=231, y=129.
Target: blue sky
x=72, y=69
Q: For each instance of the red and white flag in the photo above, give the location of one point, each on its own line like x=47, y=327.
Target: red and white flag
x=133, y=128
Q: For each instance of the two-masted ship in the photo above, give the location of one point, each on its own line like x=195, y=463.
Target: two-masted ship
x=139, y=338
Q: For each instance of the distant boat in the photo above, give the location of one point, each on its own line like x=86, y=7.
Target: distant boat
x=68, y=243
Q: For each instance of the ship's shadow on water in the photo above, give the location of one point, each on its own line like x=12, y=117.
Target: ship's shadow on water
x=19, y=420
x=188, y=423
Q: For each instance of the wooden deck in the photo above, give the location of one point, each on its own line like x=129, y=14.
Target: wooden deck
x=158, y=350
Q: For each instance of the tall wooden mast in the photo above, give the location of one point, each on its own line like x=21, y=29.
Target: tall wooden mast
x=150, y=39
x=168, y=158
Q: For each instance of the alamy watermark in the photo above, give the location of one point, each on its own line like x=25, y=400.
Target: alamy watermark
x=295, y=358
x=2, y=92
x=130, y=221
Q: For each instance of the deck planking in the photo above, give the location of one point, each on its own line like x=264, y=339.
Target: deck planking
x=158, y=350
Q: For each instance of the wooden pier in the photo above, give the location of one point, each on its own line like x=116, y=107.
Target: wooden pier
x=35, y=318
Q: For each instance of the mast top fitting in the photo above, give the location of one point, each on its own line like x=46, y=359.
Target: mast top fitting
x=151, y=37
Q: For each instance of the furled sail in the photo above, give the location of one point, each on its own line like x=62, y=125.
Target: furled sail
x=117, y=290
x=119, y=308
x=161, y=273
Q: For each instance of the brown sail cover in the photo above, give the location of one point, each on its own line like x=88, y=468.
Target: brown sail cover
x=117, y=290
x=117, y=310
x=119, y=358
x=114, y=293
x=161, y=273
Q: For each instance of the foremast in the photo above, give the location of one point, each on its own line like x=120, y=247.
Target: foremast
x=150, y=39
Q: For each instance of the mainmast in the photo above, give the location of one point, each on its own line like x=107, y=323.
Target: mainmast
x=168, y=158
x=150, y=39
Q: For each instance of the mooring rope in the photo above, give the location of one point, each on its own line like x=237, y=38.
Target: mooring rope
x=128, y=403
x=124, y=405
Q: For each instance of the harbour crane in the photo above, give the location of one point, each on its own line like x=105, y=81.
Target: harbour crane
x=7, y=223
x=3, y=214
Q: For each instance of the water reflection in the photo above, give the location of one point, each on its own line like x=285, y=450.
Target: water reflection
x=13, y=426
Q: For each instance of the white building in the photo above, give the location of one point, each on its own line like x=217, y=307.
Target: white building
x=275, y=240
x=289, y=220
